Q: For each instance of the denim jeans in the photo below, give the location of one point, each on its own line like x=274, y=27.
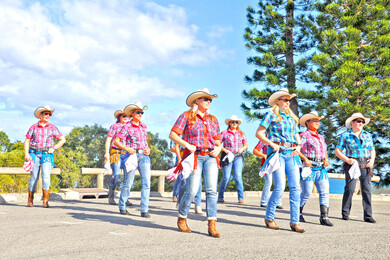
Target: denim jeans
x=34, y=175
x=115, y=174
x=266, y=190
x=322, y=187
x=207, y=167
x=145, y=173
x=182, y=189
x=236, y=165
x=290, y=168
x=176, y=186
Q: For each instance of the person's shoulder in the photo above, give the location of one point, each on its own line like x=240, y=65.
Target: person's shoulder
x=213, y=118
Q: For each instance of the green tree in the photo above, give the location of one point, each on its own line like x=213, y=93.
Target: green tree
x=352, y=70
x=278, y=31
x=4, y=142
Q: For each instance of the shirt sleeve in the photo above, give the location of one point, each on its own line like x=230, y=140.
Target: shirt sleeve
x=180, y=124
x=244, y=140
x=370, y=143
x=217, y=133
x=266, y=120
x=341, y=143
x=111, y=131
x=122, y=134
x=30, y=132
x=259, y=146
x=57, y=134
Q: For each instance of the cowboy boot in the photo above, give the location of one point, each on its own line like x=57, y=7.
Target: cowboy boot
x=270, y=223
x=30, y=202
x=301, y=219
x=212, y=229
x=297, y=228
x=111, y=196
x=324, y=219
x=182, y=225
x=45, y=198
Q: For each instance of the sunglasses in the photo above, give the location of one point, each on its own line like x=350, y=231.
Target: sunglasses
x=234, y=122
x=46, y=114
x=285, y=99
x=124, y=116
x=139, y=112
x=359, y=121
x=206, y=99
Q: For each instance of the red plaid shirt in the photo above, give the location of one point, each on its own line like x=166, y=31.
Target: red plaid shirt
x=313, y=146
x=42, y=136
x=135, y=136
x=233, y=141
x=202, y=134
x=262, y=147
x=113, y=132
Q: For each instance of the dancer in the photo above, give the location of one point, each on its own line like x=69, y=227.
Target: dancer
x=201, y=136
x=356, y=146
x=235, y=142
x=279, y=130
x=39, y=146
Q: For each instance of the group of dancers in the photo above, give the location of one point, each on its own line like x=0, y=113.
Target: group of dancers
x=301, y=157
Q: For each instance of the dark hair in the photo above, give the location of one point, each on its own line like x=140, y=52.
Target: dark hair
x=118, y=119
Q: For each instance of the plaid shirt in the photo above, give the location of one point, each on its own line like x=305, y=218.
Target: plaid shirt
x=202, y=134
x=313, y=145
x=113, y=132
x=262, y=147
x=134, y=136
x=42, y=136
x=233, y=141
x=355, y=148
x=280, y=131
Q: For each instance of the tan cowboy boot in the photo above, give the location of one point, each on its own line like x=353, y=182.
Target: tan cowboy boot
x=30, y=202
x=297, y=228
x=271, y=224
x=182, y=225
x=212, y=229
x=45, y=198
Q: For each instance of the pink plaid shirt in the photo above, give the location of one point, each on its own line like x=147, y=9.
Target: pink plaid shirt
x=262, y=147
x=233, y=141
x=313, y=145
x=113, y=132
x=42, y=136
x=134, y=136
x=202, y=134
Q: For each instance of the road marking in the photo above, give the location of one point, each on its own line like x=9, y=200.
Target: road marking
x=118, y=234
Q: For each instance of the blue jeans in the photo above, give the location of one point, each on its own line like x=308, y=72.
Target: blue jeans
x=266, y=190
x=322, y=187
x=237, y=165
x=182, y=189
x=115, y=174
x=207, y=167
x=176, y=187
x=288, y=166
x=34, y=175
x=145, y=173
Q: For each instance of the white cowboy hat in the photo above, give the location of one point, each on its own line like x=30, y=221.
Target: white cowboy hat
x=118, y=113
x=204, y=92
x=39, y=110
x=355, y=116
x=136, y=105
x=233, y=118
x=311, y=115
x=280, y=93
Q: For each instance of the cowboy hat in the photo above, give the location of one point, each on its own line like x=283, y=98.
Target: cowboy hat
x=136, y=105
x=311, y=115
x=280, y=93
x=118, y=113
x=355, y=116
x=233, y=118
x=39, y=110
x=204, y=92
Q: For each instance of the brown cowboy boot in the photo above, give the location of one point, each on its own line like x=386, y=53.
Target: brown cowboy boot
x=297, y=228
x=45, y=198
x=30, y=202
x=270, y=223
x=182, y=225
x=212, y=229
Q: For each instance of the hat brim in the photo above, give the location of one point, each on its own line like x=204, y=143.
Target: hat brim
x=129, y=109
x=39, y=110
x=227, y=121
x=118, y=113
x=350, y=119
x=198, y=94
x=275, y=96
x=309, y=116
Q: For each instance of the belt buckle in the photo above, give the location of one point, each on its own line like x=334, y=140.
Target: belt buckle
x=140, y=151
x=287, y=144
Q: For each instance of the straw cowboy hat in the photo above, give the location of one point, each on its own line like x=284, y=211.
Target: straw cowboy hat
x=278, y=94
x=136, y=105
x=204, y=92
x=356, y=116
x=311, y=115
x=118, y=113
x=233, y=118
x=39, y=110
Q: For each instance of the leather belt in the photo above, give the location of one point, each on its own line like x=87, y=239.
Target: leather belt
x=286, y=144
x=203, y=151
x=317, y=160
x=39, y=149
x=362, y=162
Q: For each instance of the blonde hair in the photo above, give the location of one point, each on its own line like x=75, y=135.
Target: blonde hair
x=192, y=115
x=287, y=111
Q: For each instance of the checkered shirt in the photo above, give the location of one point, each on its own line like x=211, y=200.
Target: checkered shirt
x=280, y=131
x=262, y=147
x=313, y=146
x=43, y=136
x=135, y=136
x=233, y=141
x=355, y=148
x=113, y=132
x=202, y=134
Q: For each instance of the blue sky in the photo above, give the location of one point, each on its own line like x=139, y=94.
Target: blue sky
x=88, y=58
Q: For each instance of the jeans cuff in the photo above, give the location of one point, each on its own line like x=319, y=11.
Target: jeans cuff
x=182, y=216
x=211, y=218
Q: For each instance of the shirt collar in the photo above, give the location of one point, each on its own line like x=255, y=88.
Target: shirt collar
x=39, y=124
x=140, y=124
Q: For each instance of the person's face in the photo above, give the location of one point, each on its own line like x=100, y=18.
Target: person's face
x=45, y=116
x=313, y=124
x=123, y=119
x=233, y=124
x=203, y=103
x=358, y=124
x=137, y=114
x=283, y=102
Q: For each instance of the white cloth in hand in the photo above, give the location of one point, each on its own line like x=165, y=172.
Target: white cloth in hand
x=306, y=172
x=270, y=165
x=188, y=166
x=131, y=163
x=229, y=156
x=107, y=167
x=354, y=171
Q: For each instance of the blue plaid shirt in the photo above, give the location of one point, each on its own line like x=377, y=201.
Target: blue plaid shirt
x=355, y=148
x=280, y=131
